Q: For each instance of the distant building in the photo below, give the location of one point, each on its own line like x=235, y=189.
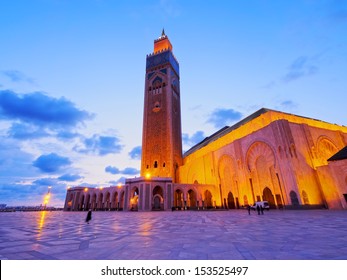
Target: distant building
x=288, y=160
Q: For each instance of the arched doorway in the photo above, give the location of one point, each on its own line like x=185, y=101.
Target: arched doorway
x=108, y=201
x=81, y=206
x=191, y=199
x=158, y=200
x=208, y=199
x=231, y=201
x=87, y=203
x=93, y=206
x=268, y=196
x=115, y=201
x=178, y=201
x=100, y=203
x=121, y=201
x=294, y=198
x=134, y=198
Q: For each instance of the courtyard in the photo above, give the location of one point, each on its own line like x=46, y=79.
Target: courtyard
x=177, y=235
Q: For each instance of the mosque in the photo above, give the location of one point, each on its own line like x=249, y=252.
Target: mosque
x=293, y=162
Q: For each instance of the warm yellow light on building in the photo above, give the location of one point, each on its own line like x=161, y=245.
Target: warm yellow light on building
x=148, y=175
x=119, y=185
x=85, y=189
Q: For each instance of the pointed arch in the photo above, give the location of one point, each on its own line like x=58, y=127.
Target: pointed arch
x=158, y=198
x=191, y=201
x=257, y=149
x=208, y=199
x=325, y=149
x=269, y=197
x=294, y=198
x=231, y=201
x=178, y=198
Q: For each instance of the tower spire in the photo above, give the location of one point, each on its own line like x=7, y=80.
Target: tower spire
x=163, y=33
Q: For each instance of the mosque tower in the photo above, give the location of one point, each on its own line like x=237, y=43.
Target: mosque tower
x=161, y=135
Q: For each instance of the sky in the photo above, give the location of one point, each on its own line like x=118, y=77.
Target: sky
x=72, y=79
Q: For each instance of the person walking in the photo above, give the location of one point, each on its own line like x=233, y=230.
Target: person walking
x=258, y=209
x=89, y=216
x=249, y=209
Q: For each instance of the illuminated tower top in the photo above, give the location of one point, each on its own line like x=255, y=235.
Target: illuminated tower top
x=162, y=43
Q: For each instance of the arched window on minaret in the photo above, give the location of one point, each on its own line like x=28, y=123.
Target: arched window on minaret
x=157, y=84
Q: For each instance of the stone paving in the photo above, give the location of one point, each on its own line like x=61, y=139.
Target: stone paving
x=178, y=235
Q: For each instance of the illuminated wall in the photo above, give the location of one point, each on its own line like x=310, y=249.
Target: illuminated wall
x=270, y=156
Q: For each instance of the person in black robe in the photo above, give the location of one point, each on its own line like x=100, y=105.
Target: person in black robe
x=89, y=216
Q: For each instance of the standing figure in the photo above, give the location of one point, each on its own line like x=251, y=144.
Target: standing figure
x=261, y=209
x=89, y=216
x=249, y=209
x=258, y=209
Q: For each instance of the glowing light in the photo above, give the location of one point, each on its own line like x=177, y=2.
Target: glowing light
x=148, y=175
x=41, y=223
x=85, y=189
x=119, y=185
x=47, y=197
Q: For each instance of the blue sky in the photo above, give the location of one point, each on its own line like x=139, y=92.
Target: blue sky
x=72, y=79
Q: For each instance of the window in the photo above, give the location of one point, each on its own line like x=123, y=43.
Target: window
x=155, y=164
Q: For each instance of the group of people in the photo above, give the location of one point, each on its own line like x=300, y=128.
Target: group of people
x=259, y=208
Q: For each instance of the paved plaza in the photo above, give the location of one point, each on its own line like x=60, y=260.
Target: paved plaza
x=178, y=235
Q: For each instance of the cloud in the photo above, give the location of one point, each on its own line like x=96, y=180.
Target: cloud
x=135, y=153
x=45, y=181
x=15, y=164
x=101, y=145
x=222, y=117
x=194, y=139
x=130, y=171
x=70, y=177
x=51, y=163
x=126, y=171
x=112, y=170
x=26, y=131
x=41, y=110
x=67, y=135
x=120, y=180
x=300, y=67
x=17, y=76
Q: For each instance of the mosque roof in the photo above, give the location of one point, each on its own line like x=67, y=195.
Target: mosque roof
x=342, y=154
x=227, y=129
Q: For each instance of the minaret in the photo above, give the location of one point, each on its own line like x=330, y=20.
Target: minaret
x=161, y=135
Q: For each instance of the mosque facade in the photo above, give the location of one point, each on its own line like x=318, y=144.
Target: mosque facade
x=293, y=162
